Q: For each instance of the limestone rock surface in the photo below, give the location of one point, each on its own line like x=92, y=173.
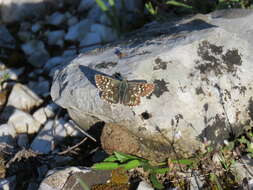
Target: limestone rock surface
x=202, y=71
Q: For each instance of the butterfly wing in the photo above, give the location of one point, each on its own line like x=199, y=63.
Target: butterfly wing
x=109, y=88
x=141, y=89
x=135, y=91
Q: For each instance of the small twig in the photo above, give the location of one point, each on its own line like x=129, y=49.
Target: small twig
x=72, y=147
x=80, y=129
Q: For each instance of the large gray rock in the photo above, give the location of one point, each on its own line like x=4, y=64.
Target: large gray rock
x=202, y=70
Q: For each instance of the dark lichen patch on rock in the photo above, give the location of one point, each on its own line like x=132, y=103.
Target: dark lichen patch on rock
x=214, y=59
x=160, y=64
x=215, y=131
x=242, y=89
x=199, y=91
x=105, y=65
x=160, y=88
x=226, y=95
x=231, y=59
x=176, y=119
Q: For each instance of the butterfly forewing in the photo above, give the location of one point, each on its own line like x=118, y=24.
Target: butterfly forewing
x=109, y=88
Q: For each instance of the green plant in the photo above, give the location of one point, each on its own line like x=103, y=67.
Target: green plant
x=5, y=76
x=127, y=162
x=151, y=9
x=178, y=4
x=248, y=144
x=111, y=13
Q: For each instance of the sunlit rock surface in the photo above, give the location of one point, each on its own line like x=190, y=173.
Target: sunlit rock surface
x=202, y=70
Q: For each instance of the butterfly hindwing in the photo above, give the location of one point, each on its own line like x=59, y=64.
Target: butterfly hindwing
x=141, y=89
x=131, y=100
x=110, y=97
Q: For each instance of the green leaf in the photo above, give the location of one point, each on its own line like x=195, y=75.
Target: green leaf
x=179, y=4
x=150, y=8
x=131, y=164
x=155, y=181
x=84, y=185
x=102, y=5
x=111, y=158
x=111, y=2
x=161, y=170
x=121, y=157
x=105, y=166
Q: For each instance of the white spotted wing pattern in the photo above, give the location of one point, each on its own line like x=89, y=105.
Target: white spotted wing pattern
x=124, y=92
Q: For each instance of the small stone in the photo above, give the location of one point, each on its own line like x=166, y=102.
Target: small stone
x=36, y=27
x=72, y=130
x=40, y=115
x=43, y=142
x=91, y=38
x=8, y=134
x=48, y=135
x=78, y=31
x=56, y=179
x=86, y=5
x=23, y=122
x=73, y=20
x=56, y=37
x=23, y=98
x=36, y=52
x=23, y=140
x=2, y=66
x=50, y=110
x=114, y=138
x=56, y=18
x=144, y=186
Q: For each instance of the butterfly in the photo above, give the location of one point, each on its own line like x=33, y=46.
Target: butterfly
x=124, y=92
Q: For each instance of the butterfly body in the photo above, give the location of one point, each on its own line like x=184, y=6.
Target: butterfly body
x=124, y=92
